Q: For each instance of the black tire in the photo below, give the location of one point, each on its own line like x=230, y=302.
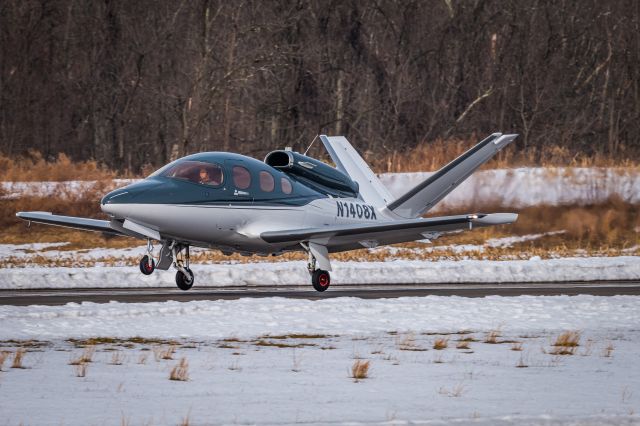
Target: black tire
x=320, y=280
x=184, y=282
x=144, y=265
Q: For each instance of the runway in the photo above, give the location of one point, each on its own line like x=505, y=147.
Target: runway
x=374, y=291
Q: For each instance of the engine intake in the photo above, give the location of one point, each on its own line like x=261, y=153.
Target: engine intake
x=313, y=173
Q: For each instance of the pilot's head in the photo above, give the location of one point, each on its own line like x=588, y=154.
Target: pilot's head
x=204, y=175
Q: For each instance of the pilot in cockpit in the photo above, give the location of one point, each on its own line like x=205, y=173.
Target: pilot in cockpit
x=205, y=178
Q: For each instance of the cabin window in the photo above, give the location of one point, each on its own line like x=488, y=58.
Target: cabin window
x=196, y=172
x=241, y=177
x=267, y=183
x=286, y=185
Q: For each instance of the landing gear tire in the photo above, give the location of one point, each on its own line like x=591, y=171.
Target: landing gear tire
x=146, y=267
x=185, y=282
x=320, y=279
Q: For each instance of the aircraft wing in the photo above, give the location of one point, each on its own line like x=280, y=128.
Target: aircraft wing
x=82, y=223
x=348, y=237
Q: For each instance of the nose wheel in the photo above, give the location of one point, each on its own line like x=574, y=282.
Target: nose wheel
x=147, y=265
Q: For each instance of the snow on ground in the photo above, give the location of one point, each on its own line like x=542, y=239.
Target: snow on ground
x=521, y=187
x=263, y=373
x=252, y=317
x=295, y=273
x=26, y=250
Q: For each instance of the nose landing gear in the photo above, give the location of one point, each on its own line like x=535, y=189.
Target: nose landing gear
x=171, y=253
x=147, y=263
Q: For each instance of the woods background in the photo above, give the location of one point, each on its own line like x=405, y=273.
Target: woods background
x=135, y=83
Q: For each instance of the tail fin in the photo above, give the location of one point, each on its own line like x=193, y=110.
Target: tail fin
x=349, y=162
x=425, y=195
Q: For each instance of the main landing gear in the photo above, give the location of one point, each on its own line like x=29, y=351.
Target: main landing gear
x=184, y=275
x=320, y=279
x=171, y=253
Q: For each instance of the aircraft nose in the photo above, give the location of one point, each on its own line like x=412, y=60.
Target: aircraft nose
x=118, y=196
x=115, y=201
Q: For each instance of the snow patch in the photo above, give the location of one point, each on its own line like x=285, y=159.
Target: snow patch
x=248, y=317
x=295, y=273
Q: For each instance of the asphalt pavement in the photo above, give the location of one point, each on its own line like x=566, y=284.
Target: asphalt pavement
x=373, y=291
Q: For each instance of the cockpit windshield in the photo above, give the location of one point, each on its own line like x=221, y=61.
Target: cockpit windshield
x=195, y=171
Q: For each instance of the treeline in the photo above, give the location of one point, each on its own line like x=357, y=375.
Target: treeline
x=135, y=83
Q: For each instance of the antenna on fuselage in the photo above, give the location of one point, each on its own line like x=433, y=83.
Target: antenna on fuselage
x=314, y=139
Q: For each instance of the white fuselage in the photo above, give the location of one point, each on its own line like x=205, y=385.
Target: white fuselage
x=237, y=226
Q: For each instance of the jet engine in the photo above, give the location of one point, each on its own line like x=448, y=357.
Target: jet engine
x=313, y=173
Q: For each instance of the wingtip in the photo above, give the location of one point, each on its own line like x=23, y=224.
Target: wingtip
x=26, y=215
x=498, y=219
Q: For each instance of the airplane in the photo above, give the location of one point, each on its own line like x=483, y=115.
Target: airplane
x=289, y=202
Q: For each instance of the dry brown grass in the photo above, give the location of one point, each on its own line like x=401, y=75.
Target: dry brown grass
x=517, y=346
x=563, y=350
x=117, y=358
x=185, y=421
x=33, y=167
x=440, y=343
x=180, y=372
x=569, y=339
x=462, y=345
x=492, y=337
x=3, y=357
x=281, y=345
x=566, y=343
x=286, y=336
x=407, y=342
x=360, y=369
x=165, y=353
x=434, y=155
x=85, y=357
x=18, y=358
x=608, y=350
